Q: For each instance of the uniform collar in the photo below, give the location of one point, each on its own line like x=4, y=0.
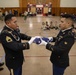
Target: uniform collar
x=9, y=28
x=66, y=29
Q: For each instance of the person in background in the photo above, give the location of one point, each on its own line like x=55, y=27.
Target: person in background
x=10, y=11
x=1, y=15
x=25, y=15
x=6, y=13
x=47, y=27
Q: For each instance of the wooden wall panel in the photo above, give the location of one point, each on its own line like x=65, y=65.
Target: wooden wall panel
x=31, y=1
x=58, y=3
x=75, y=11
x=68, y=10
x=20, y=3
x=47, y=1
x=55, y=4
x=56, y=11
x=24, y=3
x=12, y=9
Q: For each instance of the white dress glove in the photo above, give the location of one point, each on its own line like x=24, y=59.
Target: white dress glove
x=31, y=40
x=50, y=38
x=43, y=42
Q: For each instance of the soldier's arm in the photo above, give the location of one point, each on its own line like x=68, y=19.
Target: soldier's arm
x=54, y=39
x=25, y=37
x=62, y=46
x=8, y=41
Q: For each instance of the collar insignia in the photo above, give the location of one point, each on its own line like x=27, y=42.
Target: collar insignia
x=65, y=43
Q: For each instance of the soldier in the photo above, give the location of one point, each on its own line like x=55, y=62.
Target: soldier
x=13, y=47
x=63, y=43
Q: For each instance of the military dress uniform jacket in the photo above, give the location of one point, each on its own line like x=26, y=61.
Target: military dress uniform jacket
x=11, y=41
x=60, y=50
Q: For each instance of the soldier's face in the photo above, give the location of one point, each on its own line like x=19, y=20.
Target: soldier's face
x=13, y=23
x=63, y=24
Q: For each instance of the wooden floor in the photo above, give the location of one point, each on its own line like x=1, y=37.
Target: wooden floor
x=37, y=57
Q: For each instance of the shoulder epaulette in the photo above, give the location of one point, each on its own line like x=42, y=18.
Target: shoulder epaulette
x=6, y=31
x=71, y=33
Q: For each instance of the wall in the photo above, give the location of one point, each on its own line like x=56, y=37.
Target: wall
x=55, y=4
x=58, y=6
x=9, y=3
x=68, y=3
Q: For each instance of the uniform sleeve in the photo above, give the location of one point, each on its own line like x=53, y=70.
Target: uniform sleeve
x=25, y=37
x=8, y=42
x=54, y=39
x=64, y=45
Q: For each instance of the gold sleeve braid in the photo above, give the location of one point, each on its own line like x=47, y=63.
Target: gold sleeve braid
x=12, y=73
x=49, y=47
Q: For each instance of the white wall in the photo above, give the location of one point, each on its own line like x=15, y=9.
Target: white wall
x=9, y=3
x=68, y=3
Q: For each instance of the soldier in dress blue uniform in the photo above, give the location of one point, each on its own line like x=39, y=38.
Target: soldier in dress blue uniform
x=63, y=43
x=13, y=47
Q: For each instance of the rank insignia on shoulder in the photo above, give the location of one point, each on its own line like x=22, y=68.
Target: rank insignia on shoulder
x=8, y=39
x=65, y=43
x=9, y=31
x=60, y=38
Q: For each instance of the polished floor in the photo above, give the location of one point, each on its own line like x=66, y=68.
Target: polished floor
x=37, y=57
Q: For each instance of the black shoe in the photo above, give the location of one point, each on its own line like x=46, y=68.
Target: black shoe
x=1, y=69
x=1, y=64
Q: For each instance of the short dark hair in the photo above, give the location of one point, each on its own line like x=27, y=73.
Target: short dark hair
x=68, y=16
x=8, y=17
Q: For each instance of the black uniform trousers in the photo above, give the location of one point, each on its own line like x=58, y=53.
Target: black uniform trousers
x=58, y=70
x=17, y=71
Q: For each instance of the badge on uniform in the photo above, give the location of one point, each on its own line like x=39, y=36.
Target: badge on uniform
x=65, y=43
x=8, y=39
